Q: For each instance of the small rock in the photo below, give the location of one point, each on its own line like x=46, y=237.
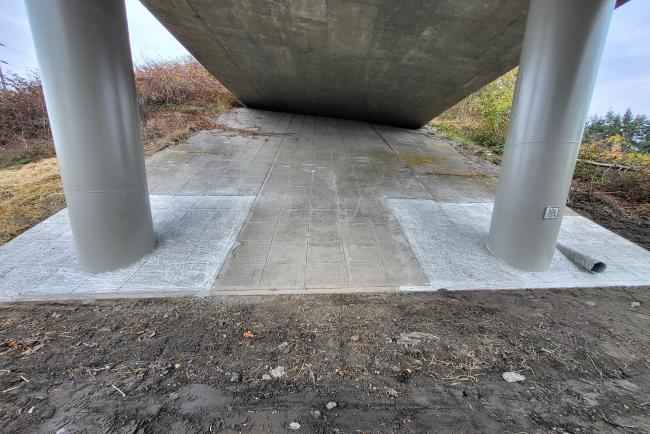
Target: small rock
x=627, y=385
x=235, y=377
x=283, y=347
x=56, y=315
x=590, y=303
x=330, y=405
x=173, y=396
x=315, y=414
x=635, y=304
x=266, y=377
x=278, y=372
x=513, y=377
x=392, y=393
x=354, y=338
x=294, y=426
x=414, y=338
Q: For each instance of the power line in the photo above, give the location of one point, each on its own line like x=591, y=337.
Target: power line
x=14, y=50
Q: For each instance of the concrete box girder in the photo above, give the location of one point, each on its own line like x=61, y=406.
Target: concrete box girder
x=396, y=62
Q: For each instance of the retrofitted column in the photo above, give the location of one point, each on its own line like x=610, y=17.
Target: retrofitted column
x=85, y=61
x=562, y=49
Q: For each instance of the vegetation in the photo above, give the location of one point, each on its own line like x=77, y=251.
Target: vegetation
x=482, y=118
x=24, y=127
x=175, y=99
x=633, y=129
x=611, y=183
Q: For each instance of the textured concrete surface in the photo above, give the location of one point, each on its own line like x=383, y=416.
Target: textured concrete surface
x=464, y=262
x=396, y=62
x=285, y=203
x=195, y=234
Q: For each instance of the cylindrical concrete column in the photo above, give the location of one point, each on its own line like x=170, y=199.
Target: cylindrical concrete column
x=562, y=49
x=85, y=60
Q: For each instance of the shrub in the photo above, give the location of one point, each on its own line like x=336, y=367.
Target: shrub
x=628, y=176
x=615, y=153
x=24, y=127
x=484, y=115
x=183, y=86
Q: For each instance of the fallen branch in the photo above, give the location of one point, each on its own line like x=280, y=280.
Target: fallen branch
x=608, y=165
x=118, y=389
x=17, y=386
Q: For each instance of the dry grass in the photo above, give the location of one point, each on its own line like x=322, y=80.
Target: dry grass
x=28, y=194
x=186, y=85
x=166, y=128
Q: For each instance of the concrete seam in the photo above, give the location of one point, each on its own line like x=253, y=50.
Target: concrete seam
x=284, y=195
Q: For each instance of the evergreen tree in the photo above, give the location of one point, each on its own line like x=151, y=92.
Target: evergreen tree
x=635, y=129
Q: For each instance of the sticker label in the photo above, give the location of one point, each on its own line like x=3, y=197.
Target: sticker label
x=551, y=212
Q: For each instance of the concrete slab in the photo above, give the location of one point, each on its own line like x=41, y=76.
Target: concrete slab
x=293, y=203
x=193, y=243
x=454, y=255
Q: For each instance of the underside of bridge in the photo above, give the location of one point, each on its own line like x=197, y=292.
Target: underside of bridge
x=397, y=62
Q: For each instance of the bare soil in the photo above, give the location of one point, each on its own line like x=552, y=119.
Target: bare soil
x=199, y=365
x=610, y=215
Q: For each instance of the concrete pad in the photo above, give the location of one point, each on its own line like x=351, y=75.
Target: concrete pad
x=454, y=256
x=185, y=259
x=342, y=206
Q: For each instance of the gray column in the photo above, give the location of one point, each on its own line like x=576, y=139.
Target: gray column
x=560, y=56
x=85, y=61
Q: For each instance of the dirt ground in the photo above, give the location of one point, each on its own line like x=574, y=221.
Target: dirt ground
x=635, y=229
x=210, y=365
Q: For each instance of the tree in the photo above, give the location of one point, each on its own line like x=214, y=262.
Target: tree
x=635, y=129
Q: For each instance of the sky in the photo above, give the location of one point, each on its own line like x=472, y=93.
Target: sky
x=623, y=78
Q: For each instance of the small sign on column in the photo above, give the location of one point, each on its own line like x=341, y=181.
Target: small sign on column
x=551, y=213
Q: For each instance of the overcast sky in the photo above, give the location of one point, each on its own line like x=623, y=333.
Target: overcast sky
x=623, y=80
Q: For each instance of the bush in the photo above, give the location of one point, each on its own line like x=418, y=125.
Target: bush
x=483, y=116
x=183, y=86
x=628, y=176
x=24, y=127
x=615, y=153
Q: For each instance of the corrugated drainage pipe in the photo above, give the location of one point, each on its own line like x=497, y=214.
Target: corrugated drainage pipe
x=583, y=261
